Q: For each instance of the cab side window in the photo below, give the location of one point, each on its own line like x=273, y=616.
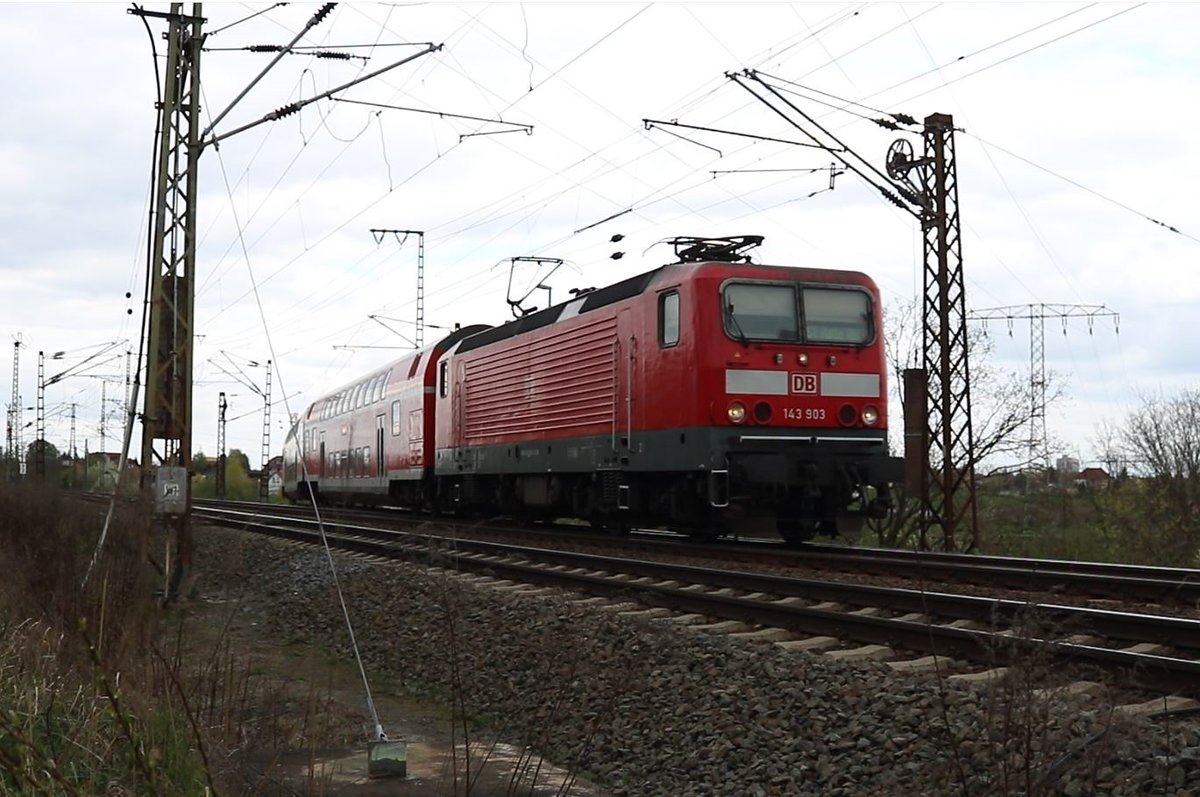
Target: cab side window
x=668, y=319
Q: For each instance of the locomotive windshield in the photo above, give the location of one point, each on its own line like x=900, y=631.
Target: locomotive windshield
x=779, y=311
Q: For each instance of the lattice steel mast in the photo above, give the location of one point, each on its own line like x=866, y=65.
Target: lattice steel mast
x=949, y=499
x=39, y=459
x=263, y=479
x=167, y=408
x=222, y=406
x=379, y=235
x=14, y=416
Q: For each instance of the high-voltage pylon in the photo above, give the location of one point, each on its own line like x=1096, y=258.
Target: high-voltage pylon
x=379, y=236
x=1037, y=314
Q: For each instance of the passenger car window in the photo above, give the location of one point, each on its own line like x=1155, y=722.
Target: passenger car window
x=444, y=378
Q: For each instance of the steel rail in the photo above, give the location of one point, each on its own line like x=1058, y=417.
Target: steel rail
x=1108, y=580
x=658, y=586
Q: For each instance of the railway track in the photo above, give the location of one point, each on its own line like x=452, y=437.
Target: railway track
x=916, y=629
x=1167, y=586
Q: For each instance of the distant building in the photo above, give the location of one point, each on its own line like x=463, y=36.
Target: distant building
x=1093, y=478
x=1067, y=466
x=275, y=475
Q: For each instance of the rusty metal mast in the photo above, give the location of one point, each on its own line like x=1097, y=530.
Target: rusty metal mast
x=167, y=407
x=949, y=498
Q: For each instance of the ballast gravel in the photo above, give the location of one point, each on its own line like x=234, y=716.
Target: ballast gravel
x=647, y=707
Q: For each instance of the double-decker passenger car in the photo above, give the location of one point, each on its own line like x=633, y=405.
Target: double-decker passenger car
x=699, y=396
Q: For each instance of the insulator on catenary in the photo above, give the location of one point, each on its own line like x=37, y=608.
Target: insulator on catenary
x=895, y=200
x=286, y=110
x=322, y=13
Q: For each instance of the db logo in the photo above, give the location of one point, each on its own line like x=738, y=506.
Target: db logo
x=804, y=383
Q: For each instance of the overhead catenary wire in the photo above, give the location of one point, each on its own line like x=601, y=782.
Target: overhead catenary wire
x=969, y=277
x=571, y=59
x=695, y=201
x=1118, y=203
x=540, y=203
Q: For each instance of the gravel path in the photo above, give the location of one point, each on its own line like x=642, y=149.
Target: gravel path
x=650, y=708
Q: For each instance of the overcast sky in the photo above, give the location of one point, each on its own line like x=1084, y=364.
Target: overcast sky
x=1077, y=150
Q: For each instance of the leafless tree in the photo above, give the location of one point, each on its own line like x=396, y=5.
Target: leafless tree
x=1162, y=441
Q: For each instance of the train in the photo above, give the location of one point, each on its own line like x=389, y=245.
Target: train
x=707, y=396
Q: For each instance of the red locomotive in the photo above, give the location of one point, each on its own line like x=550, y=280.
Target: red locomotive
x=698, y=396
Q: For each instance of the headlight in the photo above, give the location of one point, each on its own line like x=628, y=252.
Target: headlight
x=870, y=416
x=737, y=412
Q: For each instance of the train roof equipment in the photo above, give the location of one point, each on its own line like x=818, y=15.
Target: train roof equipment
x=690, y=249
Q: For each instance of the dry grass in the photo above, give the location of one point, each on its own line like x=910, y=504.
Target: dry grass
x=103, y=692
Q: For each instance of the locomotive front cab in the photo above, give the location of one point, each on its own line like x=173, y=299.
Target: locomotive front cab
x=797, y=359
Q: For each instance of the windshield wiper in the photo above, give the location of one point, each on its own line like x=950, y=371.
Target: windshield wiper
x=741, y=336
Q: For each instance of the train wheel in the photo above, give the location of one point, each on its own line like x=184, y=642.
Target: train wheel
x=847, y=526
x=796, y=530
